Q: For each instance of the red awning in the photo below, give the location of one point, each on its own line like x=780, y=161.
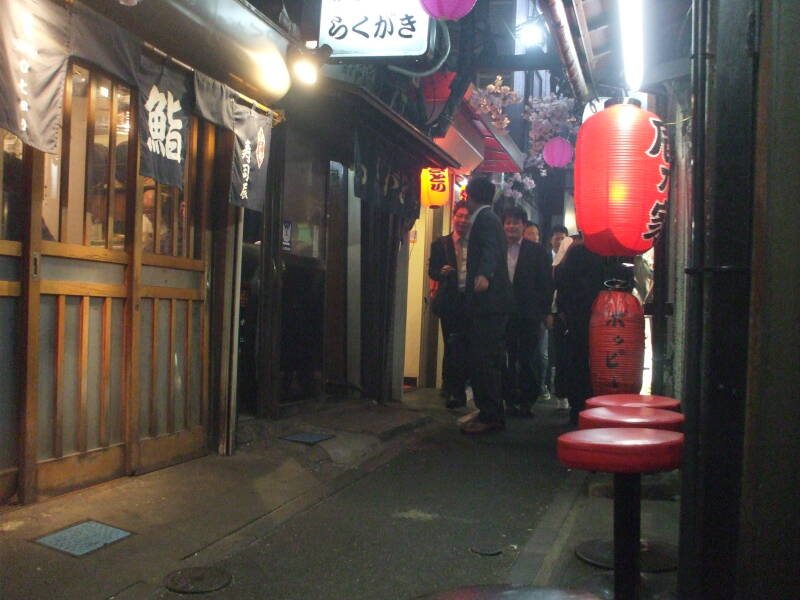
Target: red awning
x=477, y=144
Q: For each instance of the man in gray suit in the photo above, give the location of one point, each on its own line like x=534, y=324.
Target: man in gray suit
x=489, y=300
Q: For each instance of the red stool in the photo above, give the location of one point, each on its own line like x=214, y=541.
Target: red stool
x=630, y=416
x=635, y=400
x=627, y=453
x=654, y=556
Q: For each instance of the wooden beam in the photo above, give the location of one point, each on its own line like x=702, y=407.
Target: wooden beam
x=9, y=248
x=10, y=288
x=131, y=383
x=170, y=293
x=173, y=262
x=84, y=252
x=76, y=288
x=33, y=167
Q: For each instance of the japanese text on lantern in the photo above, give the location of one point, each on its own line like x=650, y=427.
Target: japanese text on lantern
x=659, y=148
x=435, y=187
x=162, y=124
x=616, y=319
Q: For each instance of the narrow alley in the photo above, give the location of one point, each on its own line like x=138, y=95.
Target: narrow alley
x=411, y=509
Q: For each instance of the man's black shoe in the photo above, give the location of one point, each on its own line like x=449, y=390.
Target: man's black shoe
x=455, y=403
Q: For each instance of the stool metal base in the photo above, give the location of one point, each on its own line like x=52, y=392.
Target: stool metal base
x=654, y=557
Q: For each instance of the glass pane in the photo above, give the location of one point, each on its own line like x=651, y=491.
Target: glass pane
x=145, y=365
x=47, y=371
x=162, y=357
x=148, y=213
x=181, y=231
x=166, y=196
x=70, y=381
x=115, y=399
x=9, y=392
x=179, y=383
x=51, y=202
x=304, y=197
x=11, y=202
x=77, y=155
x=97, y=173
x=94, y=380
x=122, y=123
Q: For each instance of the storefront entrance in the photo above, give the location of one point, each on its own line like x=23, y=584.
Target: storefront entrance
x=112, y=348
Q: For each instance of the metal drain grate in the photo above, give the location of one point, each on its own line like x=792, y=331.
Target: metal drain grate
x=83, y=538
x=197, y=580
x=307, y=437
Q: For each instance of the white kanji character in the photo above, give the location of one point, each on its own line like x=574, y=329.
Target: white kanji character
x=156, y=120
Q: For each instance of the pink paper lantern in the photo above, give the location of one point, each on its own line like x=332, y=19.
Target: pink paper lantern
x=450, y=10
x=557, y=152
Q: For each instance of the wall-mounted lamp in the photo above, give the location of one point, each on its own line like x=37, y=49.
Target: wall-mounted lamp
x=129, y=2
x=306, y=62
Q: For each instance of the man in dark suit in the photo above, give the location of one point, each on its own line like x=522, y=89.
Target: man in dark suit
x=529, y=269
x=490, y=300
x=447, y=267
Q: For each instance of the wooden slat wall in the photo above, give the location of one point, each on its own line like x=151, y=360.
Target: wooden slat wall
x=68, y=466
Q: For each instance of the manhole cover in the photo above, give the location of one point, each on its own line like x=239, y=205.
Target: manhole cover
x=197, y=580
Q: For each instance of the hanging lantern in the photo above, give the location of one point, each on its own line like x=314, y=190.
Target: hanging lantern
x=621, y=180
x=557, y=152
x=434, y=187
x=450, y=10
x=616, y=343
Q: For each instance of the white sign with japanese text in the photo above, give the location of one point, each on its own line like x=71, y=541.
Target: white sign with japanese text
x=373, y=28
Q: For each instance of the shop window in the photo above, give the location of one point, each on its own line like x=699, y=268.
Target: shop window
x=170, y=215
x=11, y=200
x=304, y=209
x=91, y=208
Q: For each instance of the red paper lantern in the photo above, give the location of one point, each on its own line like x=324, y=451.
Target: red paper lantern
x=616, y=343
x=557, y=152
x=450, y=10
x=621, y=180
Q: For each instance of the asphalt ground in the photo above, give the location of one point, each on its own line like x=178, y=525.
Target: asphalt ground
x=447, y=511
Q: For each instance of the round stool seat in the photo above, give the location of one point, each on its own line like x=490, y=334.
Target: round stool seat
x=630, y=416
x=621, y=450
x=634, y=400
x=508, y=592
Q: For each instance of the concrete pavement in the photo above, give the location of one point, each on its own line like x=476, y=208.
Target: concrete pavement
x=397, y=505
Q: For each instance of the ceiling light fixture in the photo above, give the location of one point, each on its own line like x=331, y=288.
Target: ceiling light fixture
x=631, y=25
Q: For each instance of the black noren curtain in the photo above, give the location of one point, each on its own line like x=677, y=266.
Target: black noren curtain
x=381, y=233
x=387, y=181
